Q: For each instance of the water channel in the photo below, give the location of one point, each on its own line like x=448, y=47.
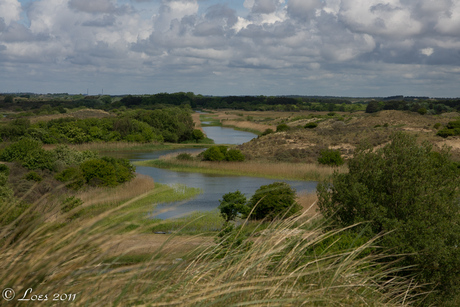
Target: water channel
x=213, y=186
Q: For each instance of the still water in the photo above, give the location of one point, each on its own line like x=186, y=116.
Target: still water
x=213, y=186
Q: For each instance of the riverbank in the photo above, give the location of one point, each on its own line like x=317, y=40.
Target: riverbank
x=282, y=170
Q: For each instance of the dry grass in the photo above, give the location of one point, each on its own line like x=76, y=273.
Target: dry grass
x=98, y=195
x=281, y=170
x=277, y=269
x=246, y=125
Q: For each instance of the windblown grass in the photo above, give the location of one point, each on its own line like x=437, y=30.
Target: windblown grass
x=280, y=170
x=276, y=269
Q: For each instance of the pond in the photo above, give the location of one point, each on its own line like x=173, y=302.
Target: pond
x=213, y=186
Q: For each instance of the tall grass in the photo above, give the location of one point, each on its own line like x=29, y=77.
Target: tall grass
x=275, y=268
x=279, y=170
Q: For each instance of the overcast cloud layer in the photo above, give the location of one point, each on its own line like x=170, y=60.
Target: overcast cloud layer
x=268, y=47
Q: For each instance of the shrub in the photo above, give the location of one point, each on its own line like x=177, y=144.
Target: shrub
x=373, y=107
x=282, y=127
x=4, y=169
x=231, y=205
x=73, y=176
x=197, y=135
x=184, y=157
x=276, y=200
x=213, y=154
x=20, y=149
x=267, y=131
x=33, y=176
x=446, y=132
x=234, y=155
x=331, y=114
x=411, y=194
x=330, y=157
x=454, y=124
x=311, y=125
x=98, y=172
x=422, y=111
x=436, y=126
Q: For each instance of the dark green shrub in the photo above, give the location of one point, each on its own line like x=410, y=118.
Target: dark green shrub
x=198, y=134
x=234, y=155
x=385, y=125
x=213, y=154
x=436, y=126
x=276, y=200
x=184, y=157
x=311, y=125
x=422, y=111
x=73, y=176
x=446, y=132
x=373, y=107
x=330, y=157
x=454, y=124
x=267, y=131
x=411, y=194
x=231, y=205
x=33, y=176
x=331, y=114
x=20, y=149
x=98, y=172
x=282, y=127
x=4, y=169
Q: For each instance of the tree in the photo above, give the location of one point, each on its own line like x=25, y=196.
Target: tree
x=411, y=194
x=373, y=107
x=231, y=205
x=276, y=200
x=330, y=157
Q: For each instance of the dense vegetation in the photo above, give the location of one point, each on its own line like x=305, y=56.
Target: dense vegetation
x=34, y=104
x=409, y=193
x=269, y=202
x=172, y=124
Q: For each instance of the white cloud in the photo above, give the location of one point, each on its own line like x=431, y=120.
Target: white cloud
x=10, y=10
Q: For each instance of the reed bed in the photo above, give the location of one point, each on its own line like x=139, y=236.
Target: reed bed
x=247, y=125
x=279, y=170
x=83, y=264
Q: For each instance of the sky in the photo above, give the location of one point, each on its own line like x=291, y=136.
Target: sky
x=354, y=48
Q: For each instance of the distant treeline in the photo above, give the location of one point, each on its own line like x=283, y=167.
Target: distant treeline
x=53, y=103
x=429, y=106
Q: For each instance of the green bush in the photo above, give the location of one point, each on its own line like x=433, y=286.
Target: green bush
x=330, y=157
x=311, y=125
x=213, y=153
x=411, y=194
x=234, y=155
x=446, y=132
x=4, y=169
x=33, y=176
x=231, y=205
x=422, y=111
x=184, y=157
x=454, y=124
x=197, y=135
x=436, y=126
x=282, y=127
x=276, y=200
x=73, y=176
x=267, y=131
x=19, y=150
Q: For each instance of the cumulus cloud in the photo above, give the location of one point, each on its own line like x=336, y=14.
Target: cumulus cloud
x=303, y=9
x=10, y=10
x=93, y=6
